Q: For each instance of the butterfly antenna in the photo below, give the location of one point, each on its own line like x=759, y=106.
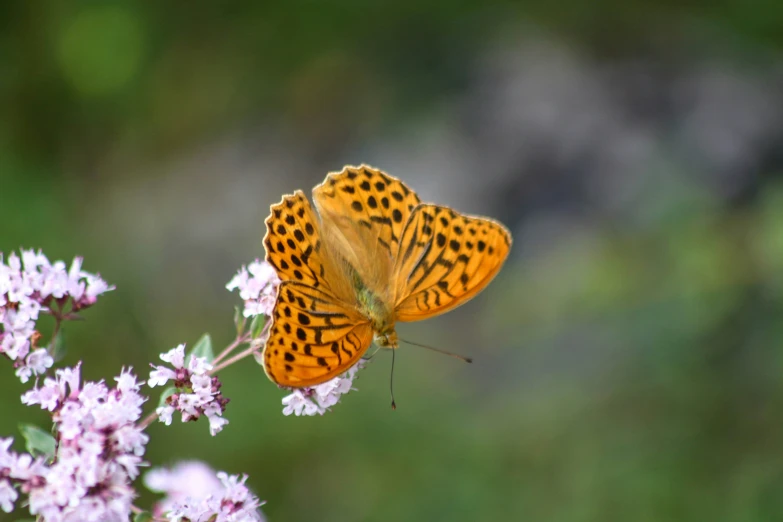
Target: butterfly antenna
x=444, y=352
x=391, y=382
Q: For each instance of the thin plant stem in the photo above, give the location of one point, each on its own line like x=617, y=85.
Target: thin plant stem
x=235, y=358
x=58, y=319
x=230, y=348
x=55, y=331
x=216, y=363
x=137, y=510
x=148, y=420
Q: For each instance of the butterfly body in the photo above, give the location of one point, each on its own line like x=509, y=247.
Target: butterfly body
x=376, y=310
x=372, y=256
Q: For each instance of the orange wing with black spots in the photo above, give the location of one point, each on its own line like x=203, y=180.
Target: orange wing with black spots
x=371, y=200
x=293, y=243
x=313, y=338
x=446, y=259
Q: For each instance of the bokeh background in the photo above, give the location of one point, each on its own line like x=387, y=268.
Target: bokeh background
x=628, y=361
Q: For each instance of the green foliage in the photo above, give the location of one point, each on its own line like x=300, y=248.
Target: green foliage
x=38, y=441
x=257, y=326
x=203, y=348
x=58, y=348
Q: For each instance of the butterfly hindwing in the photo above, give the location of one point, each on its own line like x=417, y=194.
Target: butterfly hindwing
x=313, y=337
x=446, y=259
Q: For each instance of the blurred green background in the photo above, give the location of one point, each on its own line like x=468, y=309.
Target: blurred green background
x=628, y=361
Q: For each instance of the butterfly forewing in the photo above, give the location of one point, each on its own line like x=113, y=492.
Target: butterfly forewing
x=446, y=259
x=313, y=337
x=293, y=243
x=371, y=200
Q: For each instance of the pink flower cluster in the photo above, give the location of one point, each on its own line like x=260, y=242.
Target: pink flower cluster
x=195, y=492
x=257, y=286
x=318, y=399
x=85, y=471
x=197, y=393
x=98, y=453
x=15, y=469
x=30, y=285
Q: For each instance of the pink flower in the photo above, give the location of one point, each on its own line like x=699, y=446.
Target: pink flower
x=29, y=285
x=175, y=356
x=53, y=393
x=99, y=453
x=186, y=479
x=299, y=404
x=160, y=375
x=318, y=400
x=8, y=463
x=36, y=363
x=198, y=393
x=195, y=492
x=8, y=496
x=257, y=285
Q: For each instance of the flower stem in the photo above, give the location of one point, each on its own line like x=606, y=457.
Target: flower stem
x=147, y=420
x=230, y=348
x=58, y=319
x=232, y=360
x=137, y=510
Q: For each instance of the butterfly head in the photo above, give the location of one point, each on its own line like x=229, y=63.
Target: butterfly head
x=386, y=339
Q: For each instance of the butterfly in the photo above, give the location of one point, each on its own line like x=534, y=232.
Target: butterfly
x=371, y=256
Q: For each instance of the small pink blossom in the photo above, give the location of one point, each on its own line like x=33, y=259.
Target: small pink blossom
x=319, y=399
x=55, y=390
x=175, y=356
x=257, y=285
x=160, y=376
x=197, y=392
x=36, y=363
x=165, y=414
x=8, y=496
x=299, y=404
x=8, y=465
x=198, y=365
x=214, y=414
x=186, y=479
x=195, y=492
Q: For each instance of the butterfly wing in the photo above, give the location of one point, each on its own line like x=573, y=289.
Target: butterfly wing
x=313, y=337
x=293, y=243
x=376, y=201
x=363, y=211
x=445, y=260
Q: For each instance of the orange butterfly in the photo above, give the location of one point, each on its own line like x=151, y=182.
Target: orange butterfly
x=372, y=256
